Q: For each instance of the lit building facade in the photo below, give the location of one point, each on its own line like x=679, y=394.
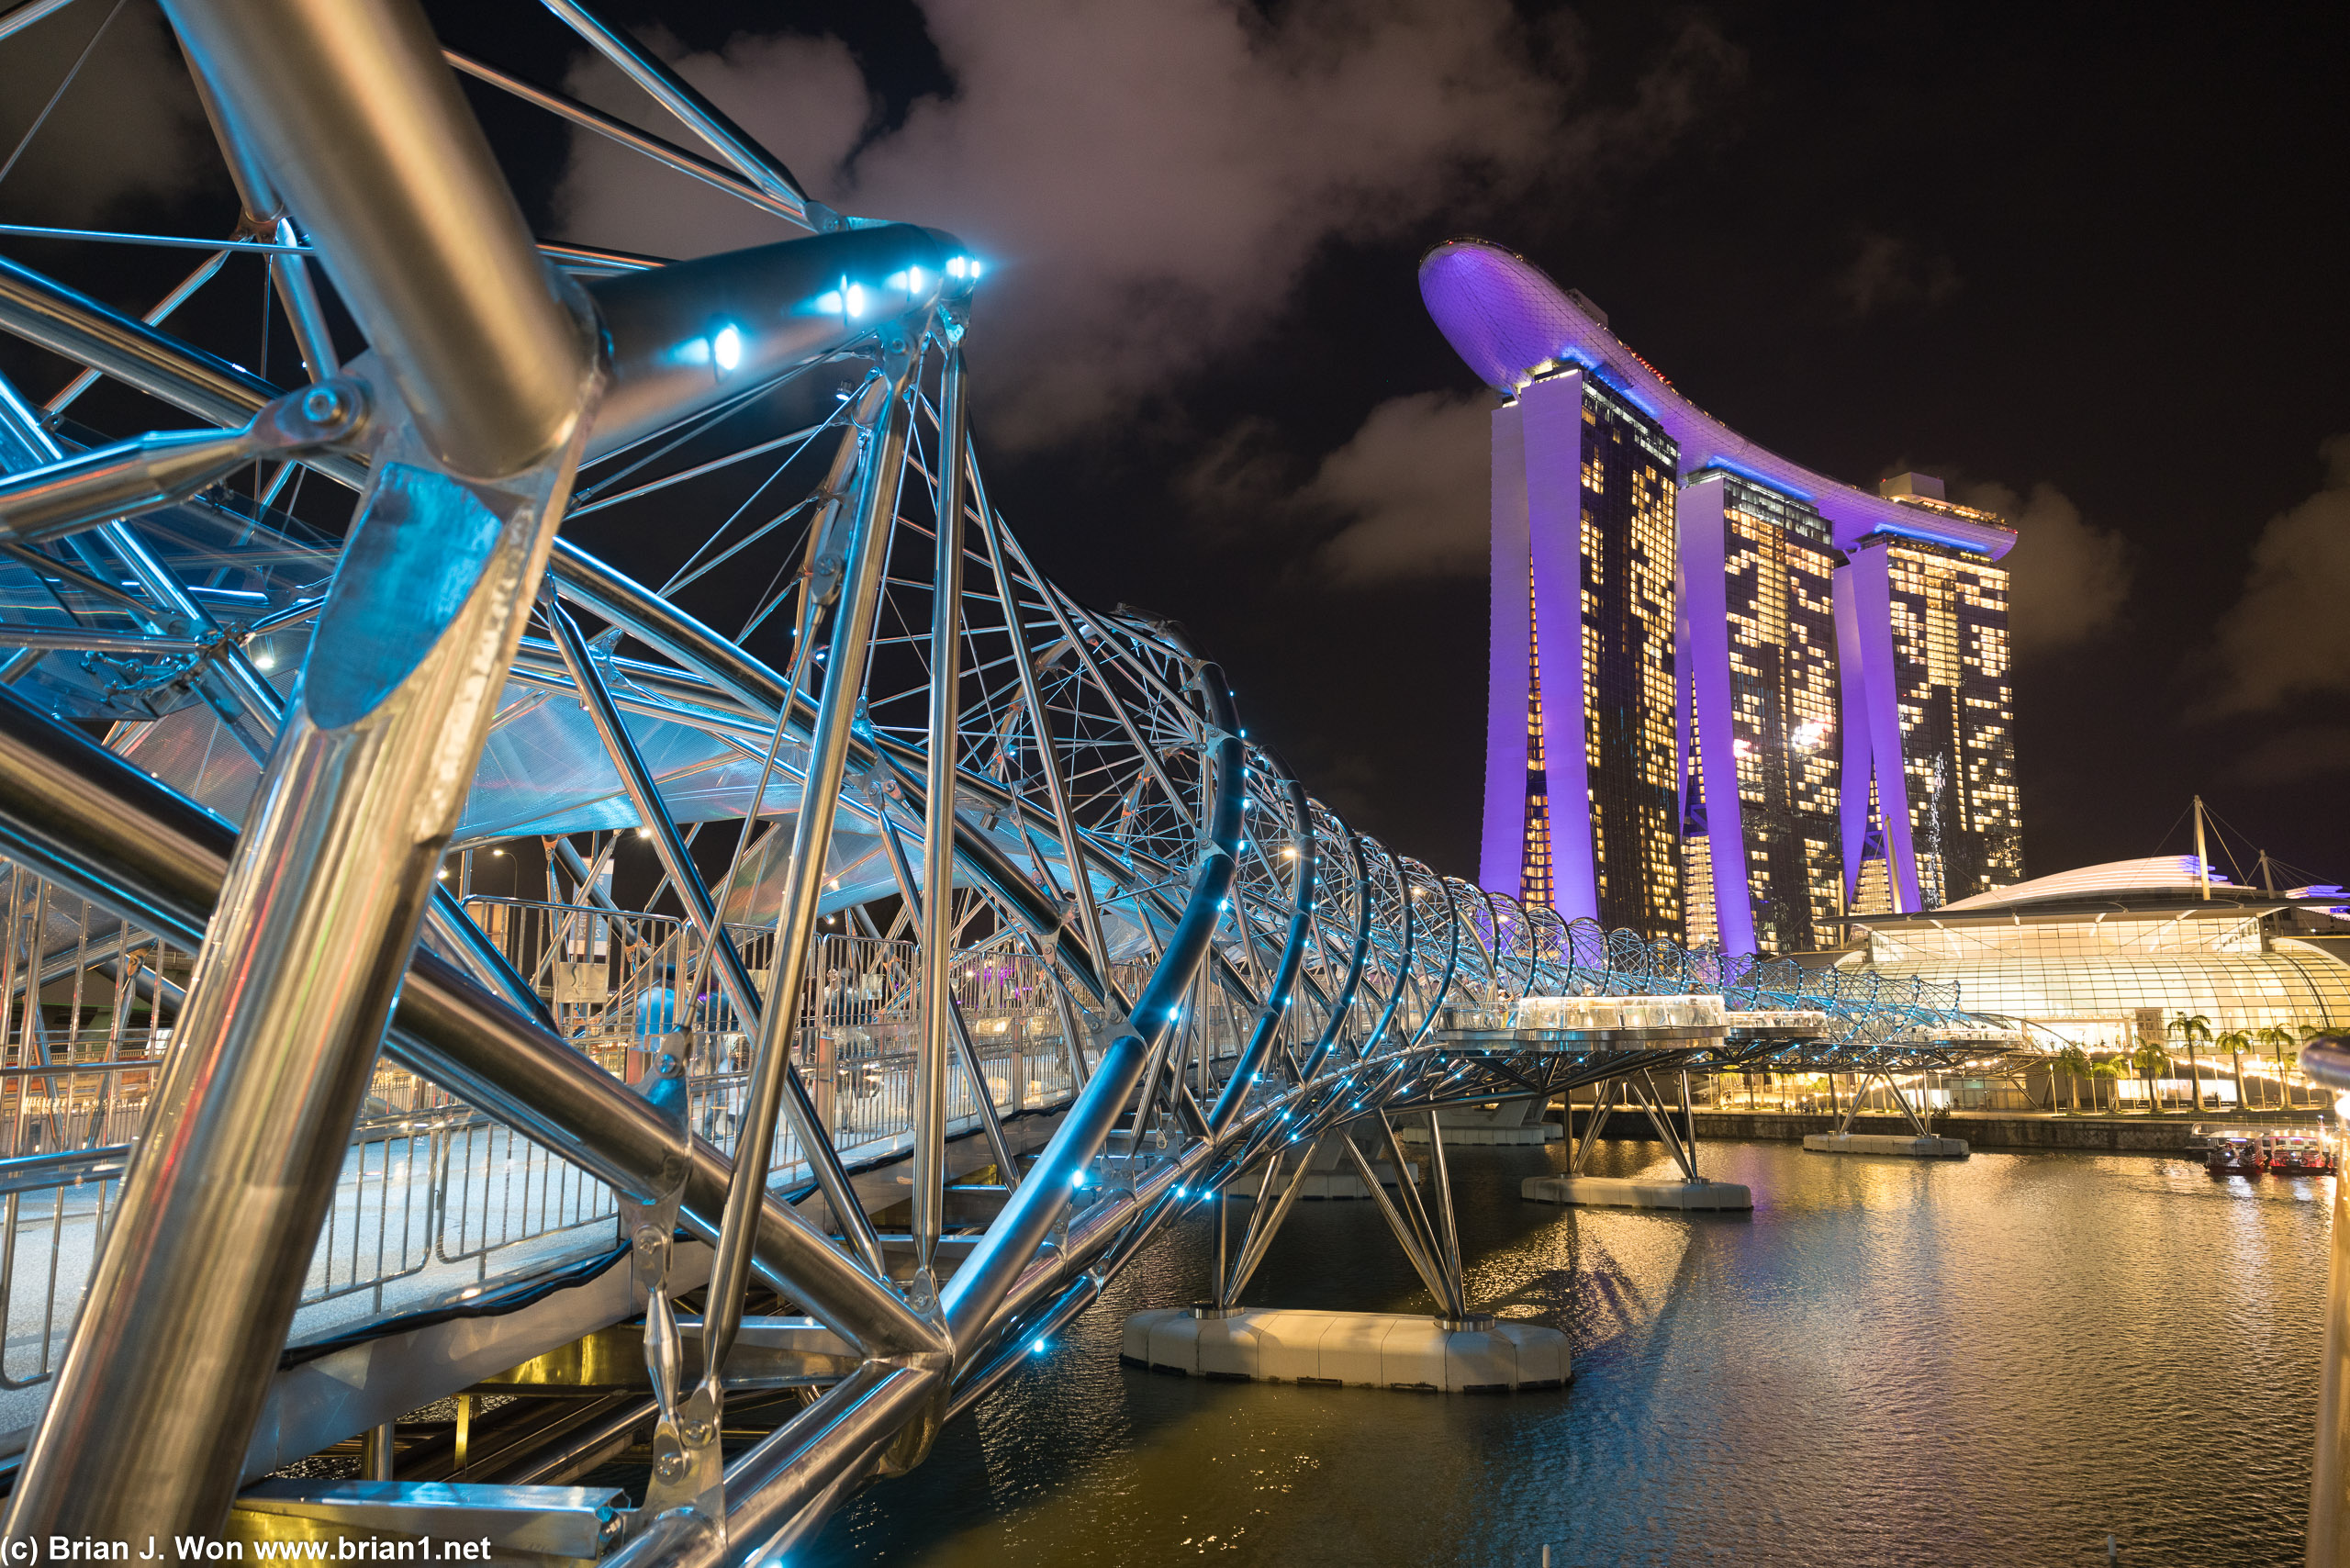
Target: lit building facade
x=1933, y=619
x=1759, y=718
x=1582, y=806
x=2108, y=958
x=1828, y=725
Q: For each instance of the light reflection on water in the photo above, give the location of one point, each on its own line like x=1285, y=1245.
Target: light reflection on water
x=1891, y=1362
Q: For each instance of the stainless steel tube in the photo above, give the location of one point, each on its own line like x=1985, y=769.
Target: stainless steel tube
x=1397, y=1225
x=411, y=216
x=990, y=1123
x=195, y=1283
x=767, y=1486
x=42, y=312
x=1041, y=727
x=930, y=1065
x=1356, y=957
x=662, y=325
x=1448, y=1230
x=1229, y=1104
x=673, y=93
x=811, y=832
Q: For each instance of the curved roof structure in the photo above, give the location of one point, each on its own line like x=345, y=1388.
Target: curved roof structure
x=2153, y=876
x=2290, y=983
x=1512, y=324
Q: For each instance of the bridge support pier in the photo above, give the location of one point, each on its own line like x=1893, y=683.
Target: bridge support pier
x=1353, y=1350
x=1453, y=1352
x=1692, y=1191
x=1513, y=1122
x=1921, y=1145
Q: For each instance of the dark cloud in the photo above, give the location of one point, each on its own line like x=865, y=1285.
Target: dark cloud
x=2068, y=579
x=129, y=125
x=2311, y=751
x=1403, y=499
x=1888, y=271
x=1149, y=183
x=2289, y=635
x=1412, y=485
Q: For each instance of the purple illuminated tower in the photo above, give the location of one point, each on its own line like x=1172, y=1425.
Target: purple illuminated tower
x=1728, y=699
x=1582, y=806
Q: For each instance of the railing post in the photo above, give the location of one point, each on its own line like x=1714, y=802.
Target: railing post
x=828, y=1082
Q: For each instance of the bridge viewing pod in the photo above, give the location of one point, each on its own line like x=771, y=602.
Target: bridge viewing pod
x=983, y=942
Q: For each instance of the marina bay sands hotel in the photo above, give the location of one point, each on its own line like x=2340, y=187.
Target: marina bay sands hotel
x=1730, y=699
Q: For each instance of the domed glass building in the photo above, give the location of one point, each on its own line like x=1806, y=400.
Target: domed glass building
x=2107, y=957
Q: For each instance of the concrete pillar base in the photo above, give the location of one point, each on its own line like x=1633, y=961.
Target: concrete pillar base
x=1512, y=1121
x=1636, y=1193
x=1356, y=1349
x=1532, y=1133
x=1887, y=1143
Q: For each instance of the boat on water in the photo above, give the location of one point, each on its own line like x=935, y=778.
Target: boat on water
x=2296, y=1154
x=2234, y=1154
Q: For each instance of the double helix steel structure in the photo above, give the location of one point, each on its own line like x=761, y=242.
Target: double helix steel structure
x=956, y=871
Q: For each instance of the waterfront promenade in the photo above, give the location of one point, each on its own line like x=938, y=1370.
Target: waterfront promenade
x=2166, y=1133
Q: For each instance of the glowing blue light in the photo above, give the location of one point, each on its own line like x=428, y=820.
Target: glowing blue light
x=914, y=280
x=1178, y=1191
x=1077, y=1180
x=1038, y=1347
x=853, y=299
x=726, y=348
x=957, y=266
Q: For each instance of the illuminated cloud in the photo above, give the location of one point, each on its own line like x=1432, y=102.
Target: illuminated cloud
x=1149, y=182
x=2068, y=579
x=2287, y=638
x=1404, y=496
x=1888, y=271
x=1412, y=487
x=129, y=125
x=2310, y=750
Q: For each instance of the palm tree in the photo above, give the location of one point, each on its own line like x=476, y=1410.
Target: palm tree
x=2236, y=1042
x=2193, y=1028
x=2276, y=1038
x=2280, y=1040
x=2074, y=1063
x=2114, y=1069
x=2151, y=1059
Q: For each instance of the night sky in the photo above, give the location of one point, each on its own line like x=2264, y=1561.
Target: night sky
x=2087, y=267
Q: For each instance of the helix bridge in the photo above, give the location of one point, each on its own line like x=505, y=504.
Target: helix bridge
x=986, y=944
